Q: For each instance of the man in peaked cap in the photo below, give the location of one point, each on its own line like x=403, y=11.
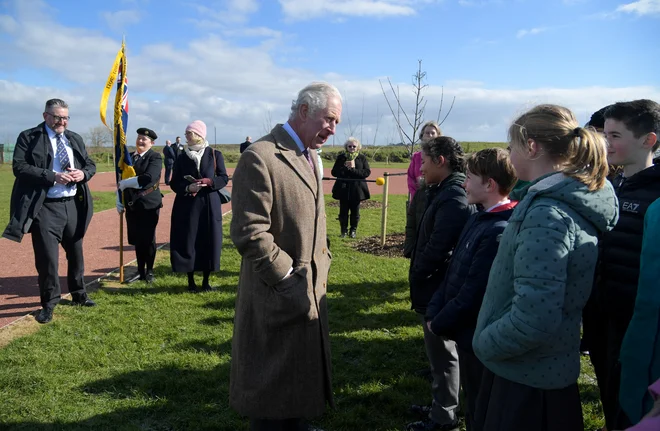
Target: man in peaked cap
x=142, y=201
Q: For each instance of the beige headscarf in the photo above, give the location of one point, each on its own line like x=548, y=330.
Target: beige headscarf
x=196, y=150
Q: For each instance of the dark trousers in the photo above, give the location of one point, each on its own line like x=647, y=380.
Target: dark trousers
x=615, y=329
x=594, y=340
x=503, y=405
x=56, y=224
x=471, y=372
x=346, y=206
x=278, y=425
x=445, y=371
x=141, y=225
x=168, y=172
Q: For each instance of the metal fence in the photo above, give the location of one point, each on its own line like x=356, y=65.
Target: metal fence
x=6, y=153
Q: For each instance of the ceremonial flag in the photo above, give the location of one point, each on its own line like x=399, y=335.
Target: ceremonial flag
x=123, y=162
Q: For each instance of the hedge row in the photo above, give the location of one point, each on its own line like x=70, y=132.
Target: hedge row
x=391, y=154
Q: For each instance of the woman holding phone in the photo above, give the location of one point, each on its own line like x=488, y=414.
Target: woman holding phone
x=196, y=231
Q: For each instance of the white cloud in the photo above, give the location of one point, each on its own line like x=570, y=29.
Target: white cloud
x=119, y=20
x=641, y=7
x=234, y=88
x=306, y=9
x=477, y=3
x=245, y=6
x=530, y=32
x=233, y=12
x=262, y=32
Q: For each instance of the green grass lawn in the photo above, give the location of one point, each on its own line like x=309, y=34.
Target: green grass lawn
x=157, y=358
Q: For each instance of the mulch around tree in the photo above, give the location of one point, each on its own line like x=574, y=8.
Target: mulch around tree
x=393, y=245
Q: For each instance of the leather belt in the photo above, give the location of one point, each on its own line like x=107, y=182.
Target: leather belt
x=143, y=194
x=62, y=199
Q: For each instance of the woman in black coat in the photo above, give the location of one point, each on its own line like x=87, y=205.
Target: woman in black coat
x=350, y=165
x=142, y=202
x=196, y=230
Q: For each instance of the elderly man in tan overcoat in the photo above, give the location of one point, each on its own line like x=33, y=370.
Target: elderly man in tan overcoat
x=280, y=369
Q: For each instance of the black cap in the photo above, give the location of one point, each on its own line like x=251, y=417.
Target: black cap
x=148, y=133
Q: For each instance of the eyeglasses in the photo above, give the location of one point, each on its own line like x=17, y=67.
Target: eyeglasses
x=58, y=118
x=351, y=146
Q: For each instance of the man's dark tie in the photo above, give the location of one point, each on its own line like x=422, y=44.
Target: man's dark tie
x=62, y=155
x=309, y=160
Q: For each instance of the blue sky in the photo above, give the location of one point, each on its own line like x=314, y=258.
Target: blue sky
x=236, y=64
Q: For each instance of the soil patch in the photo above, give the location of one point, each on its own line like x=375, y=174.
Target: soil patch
x=393, y=245
x=367, y=205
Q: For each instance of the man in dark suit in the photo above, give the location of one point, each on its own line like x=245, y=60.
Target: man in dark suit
x=245, y=144
x=142, y=201
x=51, y=200
x=170, y=156
x=178, y=146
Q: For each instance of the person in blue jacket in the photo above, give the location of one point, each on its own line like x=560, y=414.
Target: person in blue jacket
x=528, y=329
x=640, y=351
x=454, y=307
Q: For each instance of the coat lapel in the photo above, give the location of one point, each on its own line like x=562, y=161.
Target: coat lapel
x=291, y=153
x=48, y=148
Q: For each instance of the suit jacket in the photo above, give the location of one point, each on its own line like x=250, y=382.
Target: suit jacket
x=244, y=146
x=280, y=364
x=148, y=169
x=32, y=165
x=170, y=155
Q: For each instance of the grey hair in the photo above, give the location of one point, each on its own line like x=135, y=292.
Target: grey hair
x=55, y=103
x=356, y=141
x=315, y=96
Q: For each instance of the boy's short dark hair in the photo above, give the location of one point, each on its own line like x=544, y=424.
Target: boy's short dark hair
x=639, y=116
x=494, y=163
x=597, y=120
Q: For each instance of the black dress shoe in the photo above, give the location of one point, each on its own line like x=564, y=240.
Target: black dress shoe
x=421, y=410
x=429, y=425
x=45, y=315
x=207, y=288
x=84, y=301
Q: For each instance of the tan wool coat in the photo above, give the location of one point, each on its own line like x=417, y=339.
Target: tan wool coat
x=280, y=364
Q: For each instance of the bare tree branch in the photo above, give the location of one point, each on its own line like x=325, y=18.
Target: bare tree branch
x=377, y=125
x=413, y=122
x=98, y=137
x=396, y=116
x=268, y=122
x=449, y=112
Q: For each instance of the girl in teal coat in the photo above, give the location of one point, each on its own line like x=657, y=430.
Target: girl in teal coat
x=640, y=351
x=528, y=330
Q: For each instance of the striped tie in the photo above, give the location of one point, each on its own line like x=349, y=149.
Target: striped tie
x=61, y=154
x=309, y=160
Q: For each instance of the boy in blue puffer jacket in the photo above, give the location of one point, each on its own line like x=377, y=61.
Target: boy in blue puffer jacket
x=455, y=305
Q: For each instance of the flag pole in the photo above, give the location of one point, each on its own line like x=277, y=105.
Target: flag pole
x=121, y=215
x=122, y=168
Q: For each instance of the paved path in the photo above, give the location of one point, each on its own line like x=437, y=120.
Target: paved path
x=19, y=292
